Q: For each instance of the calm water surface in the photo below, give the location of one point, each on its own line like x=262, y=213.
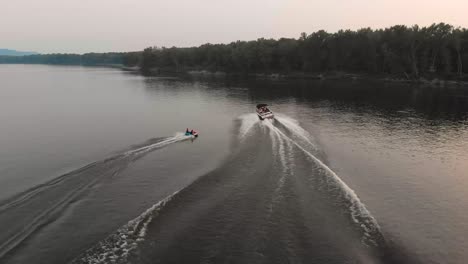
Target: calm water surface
x=94, y=169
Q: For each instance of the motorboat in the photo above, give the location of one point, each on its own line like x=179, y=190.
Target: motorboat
x=191, y=133
x=263, y=112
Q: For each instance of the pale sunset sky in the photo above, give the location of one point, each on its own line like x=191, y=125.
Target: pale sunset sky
x=79, y=26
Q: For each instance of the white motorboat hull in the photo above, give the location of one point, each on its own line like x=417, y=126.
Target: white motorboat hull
x=268, y=115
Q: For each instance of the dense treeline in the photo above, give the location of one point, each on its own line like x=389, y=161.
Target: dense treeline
x=412, y=52
x=69, y=59
x=439, y=50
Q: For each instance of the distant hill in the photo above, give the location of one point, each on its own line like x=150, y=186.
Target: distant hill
x=8, y=52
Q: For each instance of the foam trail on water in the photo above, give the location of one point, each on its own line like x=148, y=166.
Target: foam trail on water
x=247, y=123
x=167, y=141
x=57, y=205
x=278, y=150
x=117, y=247
x=293, y=126
x=359, y=213
x=290, y=157
x=285, y=151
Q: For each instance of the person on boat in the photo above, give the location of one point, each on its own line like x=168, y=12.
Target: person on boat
x=191, y=132
x=186, y=131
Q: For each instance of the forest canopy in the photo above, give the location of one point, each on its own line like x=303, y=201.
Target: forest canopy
x=68, y=59
x=436, y=50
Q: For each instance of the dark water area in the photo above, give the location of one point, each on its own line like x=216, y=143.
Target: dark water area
x=95, y=168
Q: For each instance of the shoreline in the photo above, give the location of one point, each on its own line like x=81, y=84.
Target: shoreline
x=436, y=81
x=330, y=76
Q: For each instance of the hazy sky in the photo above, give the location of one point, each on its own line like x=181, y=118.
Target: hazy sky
x=124, y=25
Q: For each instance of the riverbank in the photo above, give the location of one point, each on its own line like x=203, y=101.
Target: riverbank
x=428, y=80
x=434, y=80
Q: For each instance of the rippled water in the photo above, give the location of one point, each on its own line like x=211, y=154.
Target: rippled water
x=94, y=168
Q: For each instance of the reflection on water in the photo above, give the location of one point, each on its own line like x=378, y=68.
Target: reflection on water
x=402, y=148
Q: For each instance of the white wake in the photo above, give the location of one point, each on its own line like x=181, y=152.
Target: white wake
x=359, y=213
x=117, y=247
x=247, y=123
x=178, y=137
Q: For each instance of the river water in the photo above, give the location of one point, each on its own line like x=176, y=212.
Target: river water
x=95, y=168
